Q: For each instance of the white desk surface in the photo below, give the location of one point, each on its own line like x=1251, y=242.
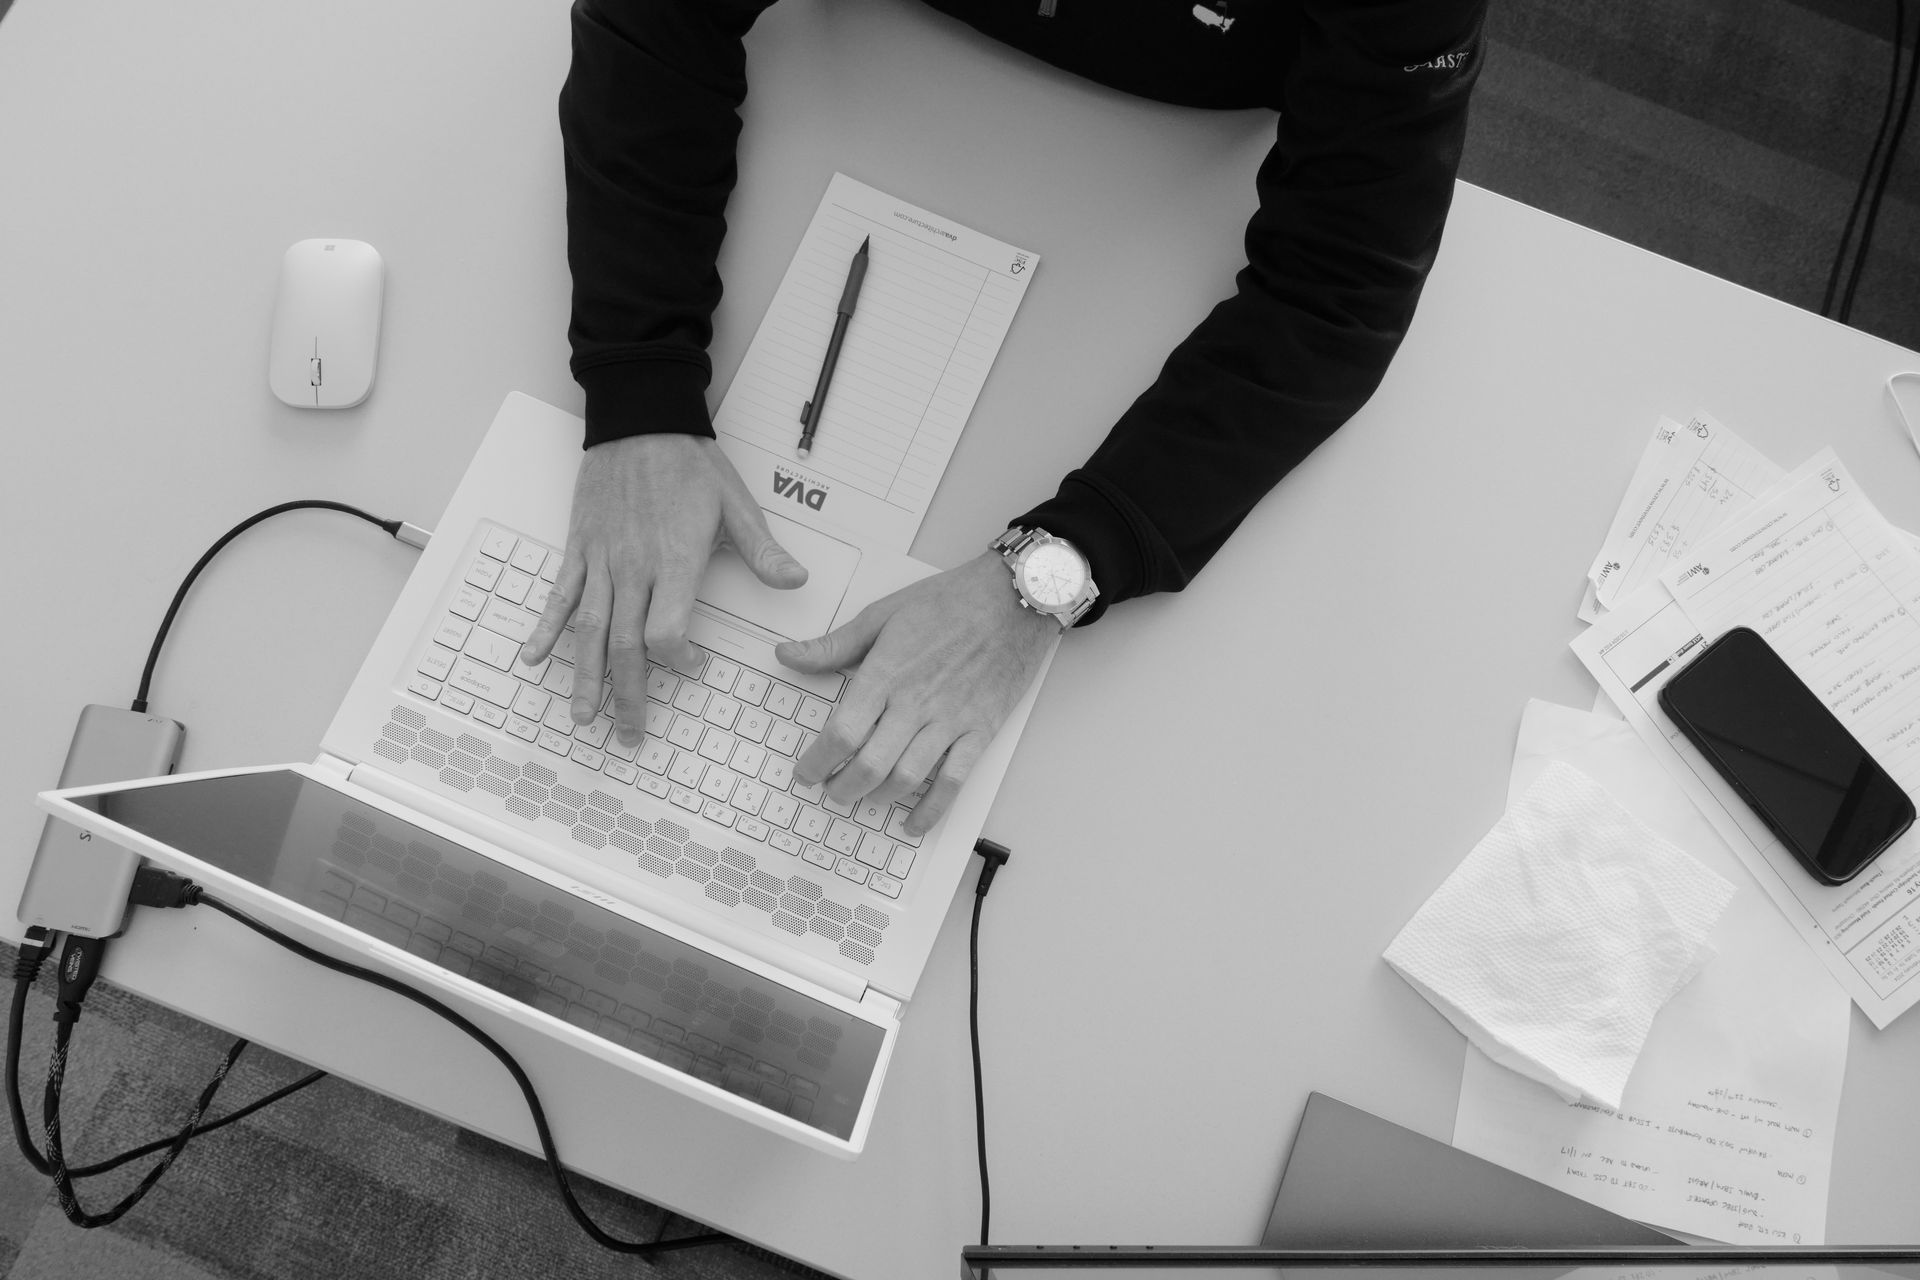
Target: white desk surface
x=1227, y=802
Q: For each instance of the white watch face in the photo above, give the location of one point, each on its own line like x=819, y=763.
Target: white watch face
x=1054, y=576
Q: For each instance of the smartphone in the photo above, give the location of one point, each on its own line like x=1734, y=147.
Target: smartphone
x=1788, y=756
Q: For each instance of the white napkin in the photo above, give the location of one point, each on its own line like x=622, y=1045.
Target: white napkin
x=1556, y=940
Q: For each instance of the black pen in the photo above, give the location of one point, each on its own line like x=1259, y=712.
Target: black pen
x=810, y=412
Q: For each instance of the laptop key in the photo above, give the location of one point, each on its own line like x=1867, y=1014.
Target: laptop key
x=687, y=769
x=779, y=810
x=783, y=700
x=875, y=850
x=496, y=687
x=497, y=542
x=897, y=828
x=842, y=837
x=528, y=557
x=483, y=573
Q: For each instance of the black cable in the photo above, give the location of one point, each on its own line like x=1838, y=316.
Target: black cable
x=147, y=890
x=996, y=856
x=114, y=1162
x=393, y=527
x=79, y=966
x=26, y=968
x=1886, y=171
x=56, y=1154
x=979, y=1092
x=193, y=894
x=1873, y=158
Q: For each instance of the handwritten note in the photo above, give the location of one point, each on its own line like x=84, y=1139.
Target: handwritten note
x=937, y=302
x=1726, y=1126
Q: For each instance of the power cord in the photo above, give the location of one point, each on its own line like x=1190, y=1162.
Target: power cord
x=158, y=887
x=411, y=534
x=1879, y=160
x=153, y=886
x=80, y=961
x=995, y=857
x=26, y=970
x=79, y=966
x=167, y=889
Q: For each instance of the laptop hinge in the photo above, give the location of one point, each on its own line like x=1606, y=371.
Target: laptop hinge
x=881, y=1003
x=600, y=879
x=334, y=766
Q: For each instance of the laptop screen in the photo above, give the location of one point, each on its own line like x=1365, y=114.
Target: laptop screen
x=465, y=912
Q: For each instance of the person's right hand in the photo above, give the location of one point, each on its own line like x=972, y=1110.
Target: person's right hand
x=647, y=512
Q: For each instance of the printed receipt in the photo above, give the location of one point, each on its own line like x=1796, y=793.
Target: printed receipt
x=1691, y=476
x=1726, y=1127
x=936, y=304
x=1815, y=569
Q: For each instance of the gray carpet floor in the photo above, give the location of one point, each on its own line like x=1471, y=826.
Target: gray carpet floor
x=1727, y=134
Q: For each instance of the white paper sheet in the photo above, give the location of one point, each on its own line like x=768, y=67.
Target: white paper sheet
x=936, y=304
x=1807, y=566
x=1726, y=1128
x=1691, y=476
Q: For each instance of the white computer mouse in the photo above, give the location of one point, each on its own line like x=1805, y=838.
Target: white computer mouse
x=326, y=324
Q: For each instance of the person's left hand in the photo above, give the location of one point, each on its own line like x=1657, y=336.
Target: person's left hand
x=939, y=665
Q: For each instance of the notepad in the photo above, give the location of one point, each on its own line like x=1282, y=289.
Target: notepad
x=937, y=303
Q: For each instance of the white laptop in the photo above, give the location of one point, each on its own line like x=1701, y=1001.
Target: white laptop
x=684, y=909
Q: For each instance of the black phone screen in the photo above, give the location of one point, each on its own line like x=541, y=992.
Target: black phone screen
x=1791, y=760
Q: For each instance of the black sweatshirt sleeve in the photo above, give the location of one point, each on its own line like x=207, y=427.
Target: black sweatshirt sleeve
x=649, y=120
x=1353, y=197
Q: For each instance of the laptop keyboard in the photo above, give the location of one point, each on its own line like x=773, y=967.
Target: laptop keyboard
x=722, y=731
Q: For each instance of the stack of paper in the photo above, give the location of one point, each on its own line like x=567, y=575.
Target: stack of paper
x=1711, y=536
x=1690, y=478
x=1726, y=1125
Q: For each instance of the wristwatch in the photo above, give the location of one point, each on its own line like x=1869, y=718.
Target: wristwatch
x=1049, y=573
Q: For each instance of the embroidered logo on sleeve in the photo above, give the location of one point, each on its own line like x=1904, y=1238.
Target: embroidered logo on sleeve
x=1445, y=62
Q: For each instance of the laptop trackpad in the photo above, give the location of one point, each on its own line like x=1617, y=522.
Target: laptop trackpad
x=799, y=614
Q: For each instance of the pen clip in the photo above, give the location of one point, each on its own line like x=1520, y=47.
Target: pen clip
x=806, y=412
